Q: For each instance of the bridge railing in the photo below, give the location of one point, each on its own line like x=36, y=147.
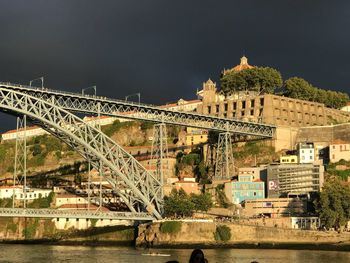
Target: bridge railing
x=55, y=213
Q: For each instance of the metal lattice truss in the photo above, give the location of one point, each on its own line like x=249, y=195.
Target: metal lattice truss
x=159, y=153
x=20, y=152
x=138, y=189
x=118, y=108
x=20, y=166
x=78, y=214
x=224, y=167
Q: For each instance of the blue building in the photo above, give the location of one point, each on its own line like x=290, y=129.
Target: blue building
x=244, y=189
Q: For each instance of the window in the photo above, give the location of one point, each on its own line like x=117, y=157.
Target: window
x=217, y=108
x=243, y=104
x=226, y=106
x=262, y=101
x=209, y=109
x=252, y=112
x=235, y=105
x=252, y=103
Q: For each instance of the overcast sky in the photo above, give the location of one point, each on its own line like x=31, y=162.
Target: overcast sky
x=166, y=49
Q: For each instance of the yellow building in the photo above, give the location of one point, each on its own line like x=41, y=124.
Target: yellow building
x=289, y=159
x=196, y=136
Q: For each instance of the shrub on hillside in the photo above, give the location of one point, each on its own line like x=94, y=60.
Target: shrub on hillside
x=222, y=233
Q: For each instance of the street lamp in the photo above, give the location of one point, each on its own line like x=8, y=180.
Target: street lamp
x=42, y=81
x=92, y=87
x=134, y=94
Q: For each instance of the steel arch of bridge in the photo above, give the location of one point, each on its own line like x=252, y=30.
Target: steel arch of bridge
x=138, y=188
x=118, y=108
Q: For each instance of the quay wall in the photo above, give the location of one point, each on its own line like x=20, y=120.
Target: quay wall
x=35, y=230
x=202, y=234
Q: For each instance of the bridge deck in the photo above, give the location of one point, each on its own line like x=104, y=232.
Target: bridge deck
x=131, y=110
x=82, y=214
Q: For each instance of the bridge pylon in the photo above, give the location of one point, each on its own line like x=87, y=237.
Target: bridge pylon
x=159, y=153
x=224, y=163
x=20, y=166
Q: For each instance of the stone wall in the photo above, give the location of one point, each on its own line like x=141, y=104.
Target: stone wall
x=40, y=230
x=324, y=134
x=202, y=233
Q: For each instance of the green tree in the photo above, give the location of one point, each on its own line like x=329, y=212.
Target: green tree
x=201, y=202
x=178, y=204
x=334, y=204
x=260, y=79
x=300, y=89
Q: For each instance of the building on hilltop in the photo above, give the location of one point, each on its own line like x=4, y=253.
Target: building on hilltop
x=243, y=65
x=273, y=109
x=209, y=93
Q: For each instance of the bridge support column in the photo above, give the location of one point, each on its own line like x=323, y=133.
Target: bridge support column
x=20, y=166
x=224, y=167
x=159, y=153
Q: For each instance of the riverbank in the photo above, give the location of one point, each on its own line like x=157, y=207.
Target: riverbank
x=177, y=234
x=171, y=234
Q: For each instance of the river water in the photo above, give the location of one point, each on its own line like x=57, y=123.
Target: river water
x=46, y=253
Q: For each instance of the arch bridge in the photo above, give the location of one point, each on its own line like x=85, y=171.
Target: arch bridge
x=139, y=189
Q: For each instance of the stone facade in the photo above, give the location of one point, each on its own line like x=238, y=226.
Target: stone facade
x=273, y=109
x=339, y=150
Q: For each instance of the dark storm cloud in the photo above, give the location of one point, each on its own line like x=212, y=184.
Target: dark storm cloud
x=166, y=49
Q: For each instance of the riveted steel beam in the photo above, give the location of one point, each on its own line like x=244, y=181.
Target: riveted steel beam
x=138, y=111
x=137, y=188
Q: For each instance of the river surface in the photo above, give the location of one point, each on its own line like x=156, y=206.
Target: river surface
x=46, y=253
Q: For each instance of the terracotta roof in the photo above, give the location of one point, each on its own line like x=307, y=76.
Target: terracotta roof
x=258, y=180
x=22, y=129
x=338, y=141
x=243, y=65
x=10, y=187
x=88, y=118
x=81, y=206
x=176, y=104
x=67, y=196
x=185, y=182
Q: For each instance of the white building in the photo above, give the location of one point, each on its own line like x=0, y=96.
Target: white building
x=346, y=108
x=31, y=193
x=182, y=105
x=306, y=152
x=7, y=191
x=103, y=120
x=29, y=132
x=64, y=199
